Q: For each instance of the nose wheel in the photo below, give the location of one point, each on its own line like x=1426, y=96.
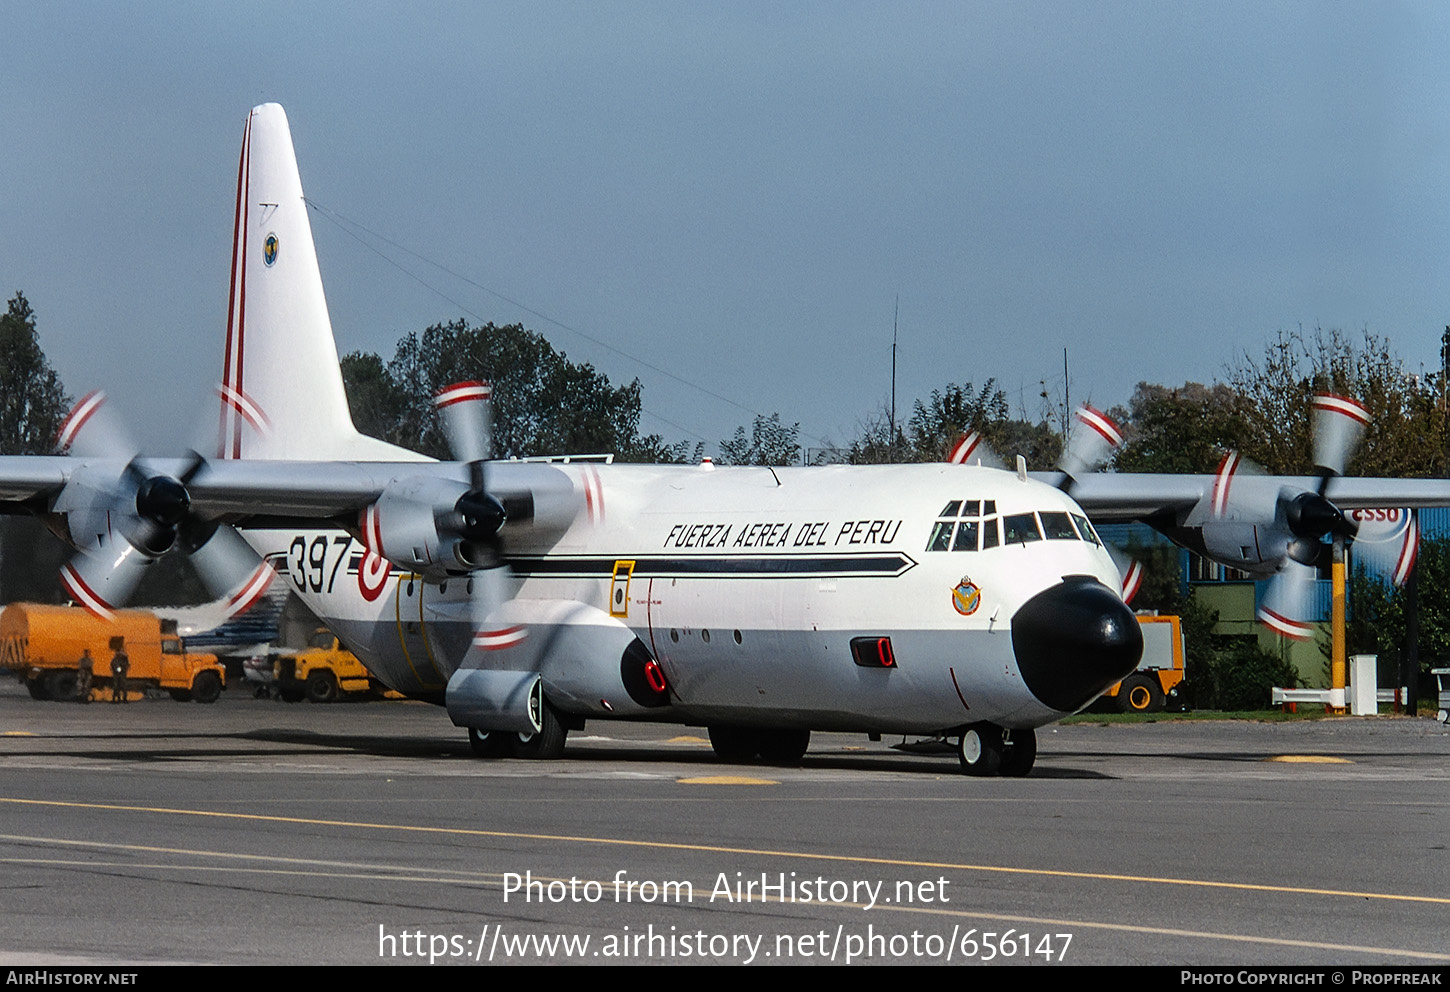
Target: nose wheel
x=986, y=749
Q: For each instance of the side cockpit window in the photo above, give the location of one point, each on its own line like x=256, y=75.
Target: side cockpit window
x=1020, y=528
x=1057, y=526
x=1086, y=529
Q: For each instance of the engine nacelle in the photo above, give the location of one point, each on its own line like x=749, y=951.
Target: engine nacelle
x=591, y=664
x=439, y=526
x=493, y=700
x=414, y=525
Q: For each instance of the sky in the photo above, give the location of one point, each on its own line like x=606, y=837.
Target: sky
x=735, y=202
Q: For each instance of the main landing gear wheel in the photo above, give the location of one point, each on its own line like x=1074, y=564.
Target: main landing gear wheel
x=548, y=743
x=1140, y=694
x=489, y=744
x=980, y=749
x=736, y=745
x=783, y=747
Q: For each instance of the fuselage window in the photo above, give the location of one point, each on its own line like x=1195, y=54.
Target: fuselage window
x=941, y=536
x=1057, y=526
x=1020, y=528
x=1086, y=529
x=989, y=533
x=966, y=536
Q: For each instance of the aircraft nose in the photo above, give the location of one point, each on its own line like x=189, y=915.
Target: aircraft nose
x=1075, y=640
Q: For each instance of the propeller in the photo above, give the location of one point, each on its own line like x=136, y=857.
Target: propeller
x=1308, y=521
x=121, y=520
x=467, y=414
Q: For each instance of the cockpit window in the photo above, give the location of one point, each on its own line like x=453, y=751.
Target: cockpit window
x=950, y=510
x=990, y=537
x=966, y=536
x=1019, y=528
x=1086, y=529
x=1057, y=526
x=990, y=507
x=971, y=508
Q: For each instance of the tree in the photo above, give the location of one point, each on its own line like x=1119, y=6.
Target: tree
x=1408, y=430
x=770, y=443
x=543, y=403
x=936, y=425
x=32, y=406
x=1182, y=430
x=32, y=401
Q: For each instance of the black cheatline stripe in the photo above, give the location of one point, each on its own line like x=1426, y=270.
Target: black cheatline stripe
x=724, y=566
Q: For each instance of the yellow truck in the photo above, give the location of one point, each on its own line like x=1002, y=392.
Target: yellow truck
x=1160, y=672
x=42, y=647
x=323, y=672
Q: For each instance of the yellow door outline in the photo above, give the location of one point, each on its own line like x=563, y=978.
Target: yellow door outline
x=619, y=588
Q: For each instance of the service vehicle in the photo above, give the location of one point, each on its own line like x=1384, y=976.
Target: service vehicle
x=323, y=672
x=1160, y=673
x=42, y=646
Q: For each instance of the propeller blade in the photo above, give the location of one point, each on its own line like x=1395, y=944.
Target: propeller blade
x=1129, y=568
x=1388, y=541
x=490, y=588
x=92, y=430
x=231, y=571
x=1339, y=423
x=1089, y=443
x=972, y=449
x=1288, y=600
x=466, y=412
x=102, y=579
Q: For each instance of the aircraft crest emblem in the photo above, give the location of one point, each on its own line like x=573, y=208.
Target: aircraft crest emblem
x=269, y=249
x=966, y=597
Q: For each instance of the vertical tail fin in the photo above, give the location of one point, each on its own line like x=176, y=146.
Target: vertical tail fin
x=281, y=390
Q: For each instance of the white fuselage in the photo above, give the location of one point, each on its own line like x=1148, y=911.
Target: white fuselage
x=747, y=585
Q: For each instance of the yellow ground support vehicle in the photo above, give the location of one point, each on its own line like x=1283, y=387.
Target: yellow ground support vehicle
x=323, y=672
x=1160, y=672
x=42, y=646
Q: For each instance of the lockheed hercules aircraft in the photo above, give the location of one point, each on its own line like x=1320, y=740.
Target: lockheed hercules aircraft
x=526, y=598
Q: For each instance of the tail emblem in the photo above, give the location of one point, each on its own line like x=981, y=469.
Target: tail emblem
x=269, y=249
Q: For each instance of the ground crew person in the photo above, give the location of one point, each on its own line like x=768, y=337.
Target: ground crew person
x=120, y=665
x=85, y=672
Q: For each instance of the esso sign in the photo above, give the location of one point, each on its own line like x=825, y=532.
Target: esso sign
x=1378, y=514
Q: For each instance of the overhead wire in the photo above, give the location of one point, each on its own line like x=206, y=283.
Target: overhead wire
x=343, y=223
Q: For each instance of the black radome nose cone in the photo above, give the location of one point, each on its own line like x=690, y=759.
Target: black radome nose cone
x=1075, y=640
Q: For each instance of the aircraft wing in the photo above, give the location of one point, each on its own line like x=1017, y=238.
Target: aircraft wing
x=1110, y=497
x=26, y=477
x=299, y=489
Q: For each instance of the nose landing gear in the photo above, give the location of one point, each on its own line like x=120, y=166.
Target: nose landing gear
x=986, y=749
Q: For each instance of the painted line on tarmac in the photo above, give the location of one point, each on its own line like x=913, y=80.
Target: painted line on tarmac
x=720, y=849
x=374, y=872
